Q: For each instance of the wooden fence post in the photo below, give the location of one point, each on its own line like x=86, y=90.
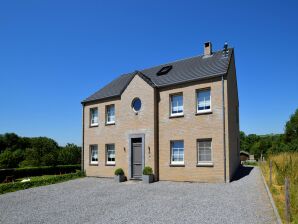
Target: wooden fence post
x=270, y=177
x=287, y=200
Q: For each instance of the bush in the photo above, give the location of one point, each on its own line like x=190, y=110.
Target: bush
x=38, y=171
x=147, y=170
x=119, y=172
x=250, y=163
x=39, y=181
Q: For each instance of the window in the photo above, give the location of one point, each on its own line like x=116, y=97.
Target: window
x=177, y=105
x=93, y=154
x=204, y=152
x=177, y=152
x=110, y=113
x=110, y=154
x=136, y=104
x=204, y=101
x=94, y=116
x=164, y=70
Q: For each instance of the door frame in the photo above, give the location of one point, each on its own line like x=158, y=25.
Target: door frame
x=142, y=136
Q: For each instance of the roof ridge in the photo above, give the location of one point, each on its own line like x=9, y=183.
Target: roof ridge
x=184, y=59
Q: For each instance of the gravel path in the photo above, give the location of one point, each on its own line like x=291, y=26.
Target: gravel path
x=96, y=200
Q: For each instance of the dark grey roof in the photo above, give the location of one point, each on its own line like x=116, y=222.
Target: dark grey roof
x=190, y=69
x=186, y=70
x=113, y=89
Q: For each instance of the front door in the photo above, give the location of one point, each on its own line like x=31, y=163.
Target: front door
x=136, y=158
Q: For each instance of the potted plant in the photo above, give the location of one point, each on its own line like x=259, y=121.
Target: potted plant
x=148, y=176
x=119, y=175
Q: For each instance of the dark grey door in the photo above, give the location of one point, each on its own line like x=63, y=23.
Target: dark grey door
x=136, y=153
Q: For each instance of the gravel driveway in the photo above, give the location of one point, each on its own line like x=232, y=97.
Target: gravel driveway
x=96, y=200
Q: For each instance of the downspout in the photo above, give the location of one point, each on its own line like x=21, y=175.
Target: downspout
x=224, y=127
x=82, y=156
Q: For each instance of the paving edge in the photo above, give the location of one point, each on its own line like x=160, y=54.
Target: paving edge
x=278, y=219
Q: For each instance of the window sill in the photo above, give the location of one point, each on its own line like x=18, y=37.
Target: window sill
x=177, y=165
x=93, y=164
x=210, y=164
x=93, y=125
x=204, y=112
x=176, y=116
x=107, y=124
x=110, y=164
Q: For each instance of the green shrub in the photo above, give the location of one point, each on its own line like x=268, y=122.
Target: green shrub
x=250, y=163
x=38, y=171
x=147, y=170
x=119, y=171
x=39, y=181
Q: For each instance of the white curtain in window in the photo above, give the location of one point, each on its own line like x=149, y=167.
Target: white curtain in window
x=177, y=104
x=204, y=100
x=204, y=151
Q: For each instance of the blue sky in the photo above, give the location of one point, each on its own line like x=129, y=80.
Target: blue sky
x=53, y=54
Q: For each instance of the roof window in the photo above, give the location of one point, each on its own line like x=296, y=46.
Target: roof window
x=164, y=70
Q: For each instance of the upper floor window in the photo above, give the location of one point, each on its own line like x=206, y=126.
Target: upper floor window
x=136, y=104
x=204, y=100
x=94, y=116
x=177, y=152
x=176, y=104
x=110, y=154
x=93, y=154
x=204, y=152
x=110, y=113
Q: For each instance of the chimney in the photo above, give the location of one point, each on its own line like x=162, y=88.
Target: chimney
x=207, y=48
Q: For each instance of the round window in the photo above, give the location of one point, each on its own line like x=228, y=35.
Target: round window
x=136, y=104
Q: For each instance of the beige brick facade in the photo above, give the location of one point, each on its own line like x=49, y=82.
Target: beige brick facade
x=160, y=129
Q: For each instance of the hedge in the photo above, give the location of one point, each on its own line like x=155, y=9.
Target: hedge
x=39, y=181
x=37, y=171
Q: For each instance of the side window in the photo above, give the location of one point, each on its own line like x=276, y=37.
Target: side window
x=176, y=105
x=110, y=154
x=110, y=114
x=203, y=100
x=93, y=154
x=177, y=152
x=94, y=116
x=204, y=152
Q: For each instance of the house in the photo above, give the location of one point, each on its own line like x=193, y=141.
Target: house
x=244, y=156
x=180, y=118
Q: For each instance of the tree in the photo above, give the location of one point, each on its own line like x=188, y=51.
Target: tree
x=7, y=159
x=291, y=129
x=243, y=142
x=70, y=154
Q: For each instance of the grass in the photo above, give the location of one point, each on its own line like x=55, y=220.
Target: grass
x=250, y=163
x=283, y=165
x=38, y=181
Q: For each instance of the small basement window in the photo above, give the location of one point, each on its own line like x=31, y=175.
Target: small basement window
x=164, y=70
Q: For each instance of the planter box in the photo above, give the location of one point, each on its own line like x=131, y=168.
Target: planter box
x=119, y=178
x=147, y=179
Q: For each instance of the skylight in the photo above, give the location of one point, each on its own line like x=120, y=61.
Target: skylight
x=164, y=70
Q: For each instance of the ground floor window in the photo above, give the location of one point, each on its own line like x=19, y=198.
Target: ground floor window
x=204, y=152
x=110, y=154
x=93, y=154
x=177, y=152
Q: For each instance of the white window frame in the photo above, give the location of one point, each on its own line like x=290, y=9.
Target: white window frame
x=197, y=104
x=171, y=105
x=110, y=162
x=177, y=162
x=204, y=163
x=94, y=147
x=107, y=114
x=92, y=123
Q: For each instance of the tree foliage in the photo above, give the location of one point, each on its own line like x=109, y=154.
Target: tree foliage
x=262, y=145
x=18, y=151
